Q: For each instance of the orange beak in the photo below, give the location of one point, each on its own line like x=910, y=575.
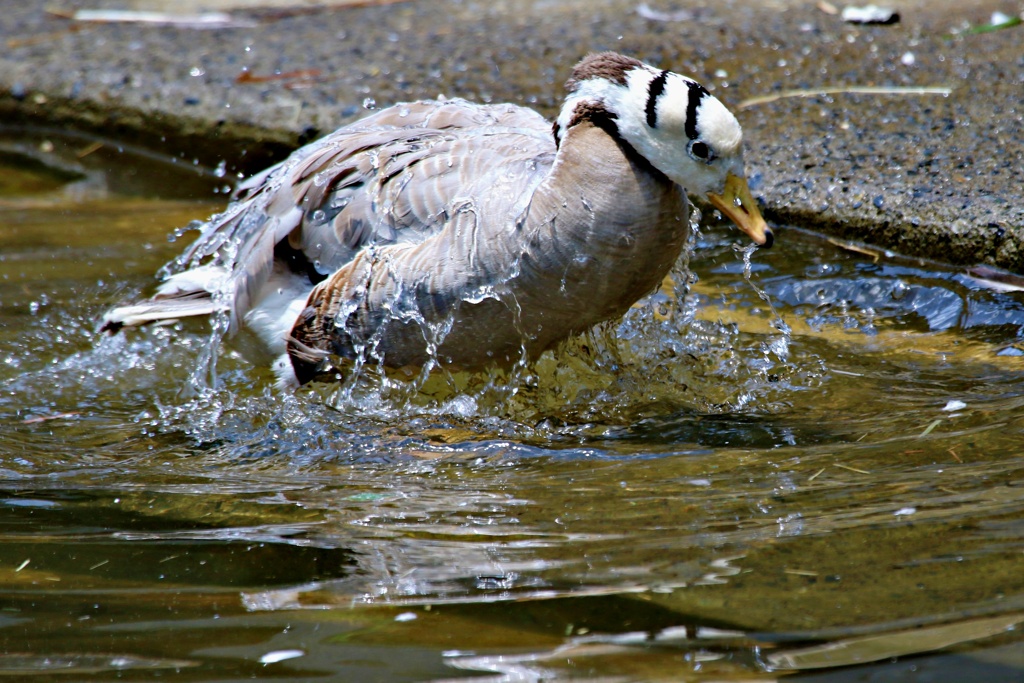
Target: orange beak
x=739, y=206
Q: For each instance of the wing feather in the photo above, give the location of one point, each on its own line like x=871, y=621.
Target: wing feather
x=399, y=175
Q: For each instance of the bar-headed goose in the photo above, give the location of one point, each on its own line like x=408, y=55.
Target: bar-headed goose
x=465, y=234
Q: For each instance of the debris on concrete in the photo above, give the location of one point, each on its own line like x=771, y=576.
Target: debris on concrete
x=647, y=12
x=203, y=20
x=870, y=14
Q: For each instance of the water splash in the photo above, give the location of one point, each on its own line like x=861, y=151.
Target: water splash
x=659, y=357
x=775, y=348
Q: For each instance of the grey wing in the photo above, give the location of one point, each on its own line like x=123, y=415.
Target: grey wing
x=404, y=189
x=396, y=176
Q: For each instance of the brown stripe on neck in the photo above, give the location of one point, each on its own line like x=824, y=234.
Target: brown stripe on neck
x=593, y=112
x=596, y=113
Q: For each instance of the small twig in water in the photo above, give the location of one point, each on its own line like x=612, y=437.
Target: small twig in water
x=850, y=246
x=995, y=279
x=815, y=475
x=929, y=428
x=846, y=90
x=799, y=572
x=852, y=469
x=89, y=149
x=47, y=418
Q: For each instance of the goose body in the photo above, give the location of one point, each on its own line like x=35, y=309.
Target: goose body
x=465, y=234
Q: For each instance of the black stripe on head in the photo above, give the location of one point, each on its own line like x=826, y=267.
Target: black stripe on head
x=654, y=91
x=596, y=114
x=697, y=92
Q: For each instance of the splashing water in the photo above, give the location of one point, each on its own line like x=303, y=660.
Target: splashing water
x=660, y=357
x=775, y=347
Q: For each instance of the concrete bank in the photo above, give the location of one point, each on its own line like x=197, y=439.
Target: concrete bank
x=929, y=175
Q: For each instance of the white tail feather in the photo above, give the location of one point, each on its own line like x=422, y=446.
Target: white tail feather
x=184, y=295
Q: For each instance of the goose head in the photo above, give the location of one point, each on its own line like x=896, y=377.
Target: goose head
x=673, y=123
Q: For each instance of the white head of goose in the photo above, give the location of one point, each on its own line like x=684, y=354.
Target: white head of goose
x=462, y=234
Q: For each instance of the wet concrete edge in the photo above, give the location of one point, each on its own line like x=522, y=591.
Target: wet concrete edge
x=935, y=227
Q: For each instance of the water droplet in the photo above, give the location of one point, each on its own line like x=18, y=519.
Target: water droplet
x=369, y=103
x=222, y=169
x=695, y=218
x=318, y=216
x=197, y=71
x=280, y=656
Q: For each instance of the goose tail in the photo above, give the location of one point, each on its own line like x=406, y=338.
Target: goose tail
x=184, y=295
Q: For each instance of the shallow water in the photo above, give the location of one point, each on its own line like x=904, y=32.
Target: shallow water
x=825, y=483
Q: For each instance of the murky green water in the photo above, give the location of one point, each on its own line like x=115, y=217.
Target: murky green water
x=708, y=491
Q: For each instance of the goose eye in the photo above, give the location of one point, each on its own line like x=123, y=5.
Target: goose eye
x=700, y=151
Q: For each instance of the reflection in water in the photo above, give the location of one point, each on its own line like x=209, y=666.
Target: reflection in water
x=880, y=646
x=709, y=488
